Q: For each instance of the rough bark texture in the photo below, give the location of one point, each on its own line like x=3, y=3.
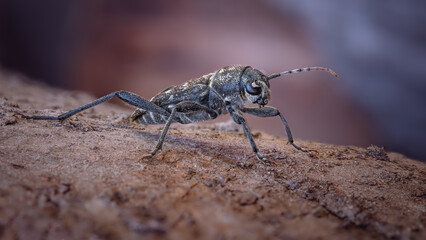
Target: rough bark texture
x=85, y=178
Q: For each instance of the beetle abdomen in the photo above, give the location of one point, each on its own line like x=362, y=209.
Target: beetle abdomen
x=151, y=118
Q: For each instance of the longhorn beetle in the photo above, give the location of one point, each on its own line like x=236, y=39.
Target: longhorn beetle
x=226, y=90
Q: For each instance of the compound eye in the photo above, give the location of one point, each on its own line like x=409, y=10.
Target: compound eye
x=253, y=88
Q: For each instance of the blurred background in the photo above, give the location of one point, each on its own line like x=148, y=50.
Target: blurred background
x=377, y=48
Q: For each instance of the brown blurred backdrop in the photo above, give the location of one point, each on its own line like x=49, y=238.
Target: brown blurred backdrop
x=146, y=46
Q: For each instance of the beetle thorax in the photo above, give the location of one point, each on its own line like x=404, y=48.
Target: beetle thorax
x=225, y=82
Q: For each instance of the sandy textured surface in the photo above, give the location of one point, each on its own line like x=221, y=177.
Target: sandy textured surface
x=85, y=178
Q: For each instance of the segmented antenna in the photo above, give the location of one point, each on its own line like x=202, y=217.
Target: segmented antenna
x=305, y=69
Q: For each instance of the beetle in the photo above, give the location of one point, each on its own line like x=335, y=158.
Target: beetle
x=227, y=90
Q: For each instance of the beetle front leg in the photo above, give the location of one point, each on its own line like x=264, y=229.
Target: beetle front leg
x=272, y=112
x=239, y=119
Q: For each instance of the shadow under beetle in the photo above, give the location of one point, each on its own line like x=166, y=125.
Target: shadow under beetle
x=226, y=90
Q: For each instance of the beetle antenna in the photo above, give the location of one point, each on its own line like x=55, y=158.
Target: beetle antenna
x=305, y=69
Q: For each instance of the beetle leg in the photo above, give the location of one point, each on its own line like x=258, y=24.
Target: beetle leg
x=183, y=107
x=239, y=119
x=127, y=97
x=163, y=134
x=272, y=112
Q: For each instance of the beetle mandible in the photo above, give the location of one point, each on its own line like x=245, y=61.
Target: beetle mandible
x=226, y=90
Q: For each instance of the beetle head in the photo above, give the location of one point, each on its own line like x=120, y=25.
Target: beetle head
x=254, y=86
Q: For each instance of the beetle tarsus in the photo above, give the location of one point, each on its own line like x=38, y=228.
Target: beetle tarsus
x=299, y=147
x=261, y=157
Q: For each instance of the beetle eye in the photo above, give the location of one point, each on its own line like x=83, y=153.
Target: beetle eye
x=253, y=88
